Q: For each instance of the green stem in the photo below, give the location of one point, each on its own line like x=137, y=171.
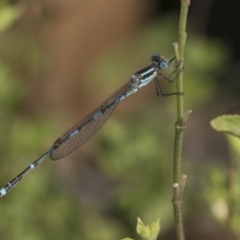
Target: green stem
x=180, y=124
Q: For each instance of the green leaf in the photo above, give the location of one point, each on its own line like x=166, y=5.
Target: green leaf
x=228, y=124
x=142, y=230
x=8, y=15
x=155, y=229
x=148, y=232
x=127, y=239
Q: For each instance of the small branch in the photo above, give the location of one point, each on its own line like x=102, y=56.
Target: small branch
x=177, y=204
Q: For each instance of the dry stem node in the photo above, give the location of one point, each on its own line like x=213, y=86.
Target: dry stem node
x=184, y=120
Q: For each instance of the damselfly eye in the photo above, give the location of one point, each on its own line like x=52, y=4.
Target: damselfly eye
x=163, y=64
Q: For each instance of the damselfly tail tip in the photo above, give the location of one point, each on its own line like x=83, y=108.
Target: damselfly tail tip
x=3, y=192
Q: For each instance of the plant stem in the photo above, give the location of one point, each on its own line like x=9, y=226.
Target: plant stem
x=180, y=124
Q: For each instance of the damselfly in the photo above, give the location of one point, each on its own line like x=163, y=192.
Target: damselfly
x=80, y=133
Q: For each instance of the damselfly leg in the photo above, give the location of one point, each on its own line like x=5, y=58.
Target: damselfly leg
x=168, y=78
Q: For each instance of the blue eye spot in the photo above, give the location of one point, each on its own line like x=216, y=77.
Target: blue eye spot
x=163, y=64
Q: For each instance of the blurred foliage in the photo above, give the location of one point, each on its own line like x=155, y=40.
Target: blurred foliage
x=8, y=15
x=133, y=153
x=225, y=191
x=20, y=134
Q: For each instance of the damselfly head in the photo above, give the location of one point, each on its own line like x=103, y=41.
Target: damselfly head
x=161, y=62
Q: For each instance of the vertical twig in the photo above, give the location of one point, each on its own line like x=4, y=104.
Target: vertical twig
x=179, y=180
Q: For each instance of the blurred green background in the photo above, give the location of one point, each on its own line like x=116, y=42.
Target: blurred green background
x=58, y=61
